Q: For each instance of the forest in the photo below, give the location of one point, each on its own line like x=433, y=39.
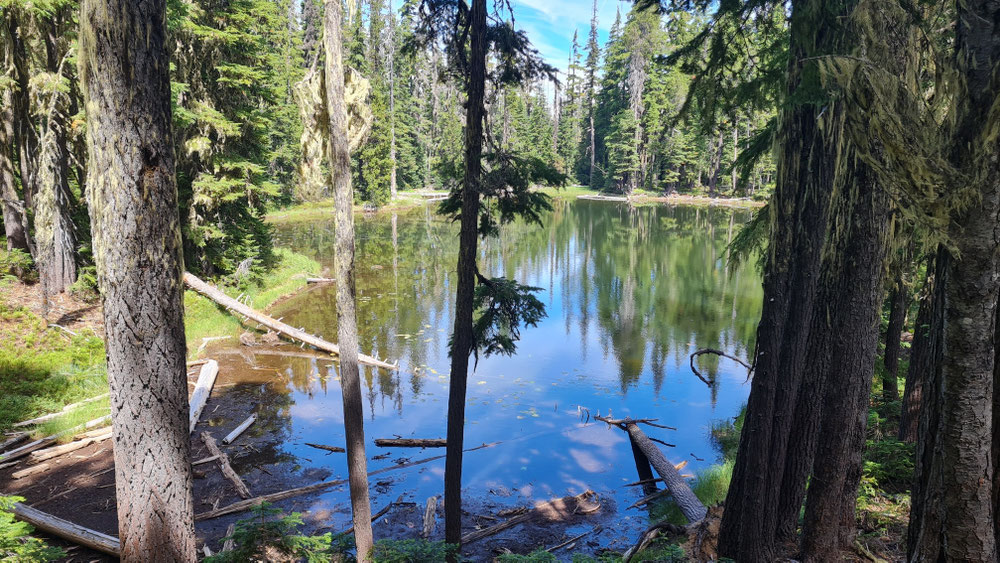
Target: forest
x=499, y=280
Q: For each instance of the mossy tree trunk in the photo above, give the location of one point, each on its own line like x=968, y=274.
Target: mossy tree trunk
x=15, y=217
x=339, y=161
x=462, y=335
x=137, y=250
x=24, y=130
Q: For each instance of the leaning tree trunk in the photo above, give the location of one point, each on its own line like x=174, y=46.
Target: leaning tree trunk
x=339, y=159
x=898, y=303
x=462, y=337
x=137, y=249
x=15, y=218
x=954, y=490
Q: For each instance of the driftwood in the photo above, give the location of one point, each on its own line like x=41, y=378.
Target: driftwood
x=410, y=443
x=330, y=449
x=690, y=506
x=229, y=544
x=239, y=308
x=239, y=430
x=553, y=510
x=320, y=280
x=67, y=530
x=204, y=460
x=227, y=470
x=429, y=517
x=202, y=390
x=57, y=414
x=56, y=451
x=245, y=505
x=717, y=353
x=651, y=534
x=48, y=440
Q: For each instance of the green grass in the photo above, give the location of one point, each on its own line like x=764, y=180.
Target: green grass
x=317, y=210
x=43, y=369
x=204, y=319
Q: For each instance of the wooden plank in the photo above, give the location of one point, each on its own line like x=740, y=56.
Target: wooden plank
x=67, y=530
x=239, y=430
x=227, y=470
x=202, y=390
x=235, y=306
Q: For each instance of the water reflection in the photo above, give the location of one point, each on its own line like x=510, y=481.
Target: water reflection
x=630, y=293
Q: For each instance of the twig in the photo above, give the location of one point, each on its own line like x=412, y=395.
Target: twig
x=596, y=528
x=717, y=353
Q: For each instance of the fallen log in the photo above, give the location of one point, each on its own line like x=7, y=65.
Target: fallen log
x=553, y=510
x=239, y=430
x=202, y=390
x=14, y=440
x=48, y=440
x=244, y=505
x=227, y=470
x=229, y=544
x=410, y=443
x=651, y=534
x=57, y=414
x=649, y=498
x=677, y=466
x=239, y=308
x=690, y=506
x=56, y=451
x=330, y=449
x=67, y=530
x=429, y=517
x=574, y=539
x=320, y=280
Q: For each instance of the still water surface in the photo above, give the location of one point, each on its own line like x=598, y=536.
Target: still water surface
x=630, y=293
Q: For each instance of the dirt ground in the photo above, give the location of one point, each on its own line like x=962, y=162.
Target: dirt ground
x=64, y=309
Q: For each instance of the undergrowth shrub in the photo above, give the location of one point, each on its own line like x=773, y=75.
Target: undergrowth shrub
x=16, y=543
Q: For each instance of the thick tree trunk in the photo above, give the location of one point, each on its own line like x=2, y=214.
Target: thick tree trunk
x=806, y=161
x=899, y=300
x=854, y=271
x=137, y=249
x=339, y=159
x=468, y=242
x=921, y=362
x=24, y=129
x=955, y=488
x=15, y=217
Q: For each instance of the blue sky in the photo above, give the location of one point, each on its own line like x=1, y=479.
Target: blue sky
x=550, y=24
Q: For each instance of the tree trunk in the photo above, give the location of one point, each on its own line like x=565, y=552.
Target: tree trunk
x=54, y=234
x=806, y=157
x=24, y=129
x=955, y=488
x=393, y=187
x=339, y=159
x=899, y=301
x=15, y=218
x=137, y=251
x=921, y=362
x=854, y=271
x=468, y=242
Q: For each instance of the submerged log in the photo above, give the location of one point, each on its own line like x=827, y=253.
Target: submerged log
x=244, y=505
x=227, y=470
x=239, y=430
x=410, y=443
x=429, y=517
x=239, y=308
x=552, y=511
x=67, y=530
x=690, y=506
x=202, y=390
x=330, y=449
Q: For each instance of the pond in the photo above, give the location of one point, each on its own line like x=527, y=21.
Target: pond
x=630, y=293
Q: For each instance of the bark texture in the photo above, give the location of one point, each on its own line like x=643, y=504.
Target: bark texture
x=137, y=249
x=952, y=515
x=462, y=336
x=920, y=361
x=339, y=159
x=15, y=217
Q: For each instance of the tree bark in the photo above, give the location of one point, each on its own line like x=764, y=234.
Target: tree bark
x=24, y=130
x=920, y=361
x=462, y=337
x=137, y=250
x=806, y=160
x=898, y=303
x=954, y=493
x=15, y=217
x=339, y=160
